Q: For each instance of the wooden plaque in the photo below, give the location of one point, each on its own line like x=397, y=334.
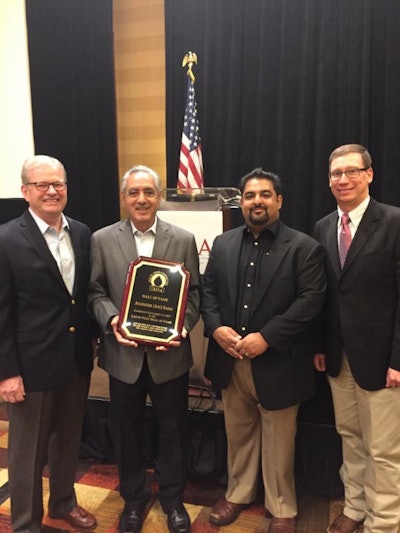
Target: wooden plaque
x=154, y=301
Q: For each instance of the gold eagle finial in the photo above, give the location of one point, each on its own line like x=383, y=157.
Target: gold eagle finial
x=188, y=60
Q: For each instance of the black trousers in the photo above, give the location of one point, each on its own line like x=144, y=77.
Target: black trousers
x=127, y=422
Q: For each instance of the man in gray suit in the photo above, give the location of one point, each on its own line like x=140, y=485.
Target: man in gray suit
x=135, y=370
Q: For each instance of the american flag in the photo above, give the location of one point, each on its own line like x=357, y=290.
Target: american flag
x=190, y=174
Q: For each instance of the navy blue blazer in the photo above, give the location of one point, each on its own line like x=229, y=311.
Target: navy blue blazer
x=362, y=313
x=44, y=331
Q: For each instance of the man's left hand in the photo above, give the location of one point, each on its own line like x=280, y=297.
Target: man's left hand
x=173, y=344
x=252, y=345
x=392, y=378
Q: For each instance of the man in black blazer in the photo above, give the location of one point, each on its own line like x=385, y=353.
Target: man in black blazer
x=45, y=347
x=360, y=344
x=136, y=370
x=263, y=288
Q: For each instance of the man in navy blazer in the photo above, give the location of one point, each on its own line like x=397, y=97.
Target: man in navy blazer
x=136, y=370
x=263, y=289
x=360, y=343
x=45, y=347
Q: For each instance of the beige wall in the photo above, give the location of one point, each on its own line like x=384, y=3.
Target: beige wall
x=140, y=90
x=139, y=50
x=16, y=131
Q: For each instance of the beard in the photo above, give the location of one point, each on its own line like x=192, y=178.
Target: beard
x=259, y=220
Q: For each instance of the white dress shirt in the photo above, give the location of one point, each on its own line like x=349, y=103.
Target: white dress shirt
x=60, y=246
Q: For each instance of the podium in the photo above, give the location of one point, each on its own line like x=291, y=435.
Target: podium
x=206, y=213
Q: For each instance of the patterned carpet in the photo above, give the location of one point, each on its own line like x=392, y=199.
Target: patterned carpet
x=97, y=490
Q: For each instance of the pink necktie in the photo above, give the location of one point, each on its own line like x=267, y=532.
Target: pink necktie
x=344, y=238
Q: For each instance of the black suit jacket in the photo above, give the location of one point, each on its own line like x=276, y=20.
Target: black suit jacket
x=290, y=298
x=44, y=331
x=362, y=315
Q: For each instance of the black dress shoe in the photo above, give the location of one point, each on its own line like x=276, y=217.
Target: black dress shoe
x=131, y=521
x=178, y=520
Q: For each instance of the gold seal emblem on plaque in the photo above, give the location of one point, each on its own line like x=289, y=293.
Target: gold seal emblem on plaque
x=158, y=279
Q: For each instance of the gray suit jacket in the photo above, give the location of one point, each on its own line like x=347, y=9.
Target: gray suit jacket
x=113, y=249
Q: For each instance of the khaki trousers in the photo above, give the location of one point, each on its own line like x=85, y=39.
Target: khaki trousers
x=369, y=424
x=253, y=433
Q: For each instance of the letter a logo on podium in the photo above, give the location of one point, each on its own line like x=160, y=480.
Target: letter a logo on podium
x=190, y=173
x=205, y=247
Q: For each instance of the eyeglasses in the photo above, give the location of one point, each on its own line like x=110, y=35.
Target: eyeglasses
x=44, y=186
x=351, y=173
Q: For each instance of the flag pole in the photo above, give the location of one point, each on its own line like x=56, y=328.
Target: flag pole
x=190, y=171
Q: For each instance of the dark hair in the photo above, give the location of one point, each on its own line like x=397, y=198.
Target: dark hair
x=261, y=174
x=352, y=149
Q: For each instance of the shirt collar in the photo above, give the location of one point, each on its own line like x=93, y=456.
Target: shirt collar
x=152, y=228
x=272, y=228
x=43, y=226
x=357, y=213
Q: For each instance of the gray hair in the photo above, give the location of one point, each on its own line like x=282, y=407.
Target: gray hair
x=140, y=168
x=37, y=161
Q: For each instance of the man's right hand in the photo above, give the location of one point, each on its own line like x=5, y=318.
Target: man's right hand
x=12, y=390
x=118, y=336
x=227, y=338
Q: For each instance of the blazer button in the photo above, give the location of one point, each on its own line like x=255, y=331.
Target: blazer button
x=73, y=302
x=72, y=329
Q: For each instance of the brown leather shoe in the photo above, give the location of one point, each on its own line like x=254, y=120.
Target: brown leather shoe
x=225, y=512
x=77, y=517
x=344, y=524
x=282, y=525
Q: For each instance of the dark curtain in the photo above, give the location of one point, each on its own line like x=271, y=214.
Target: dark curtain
x=280, y=84
x=73, y=100
x=11, y=208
